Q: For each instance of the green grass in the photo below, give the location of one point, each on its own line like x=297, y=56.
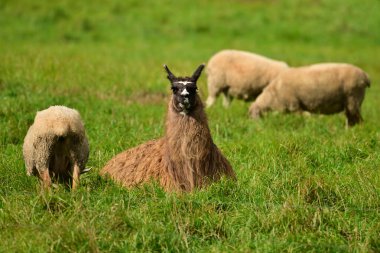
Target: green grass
x=304, y=183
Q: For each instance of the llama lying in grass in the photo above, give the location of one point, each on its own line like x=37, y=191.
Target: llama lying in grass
x=56, y=146
x=320, y=88
x=186, y=157
x=239, y=74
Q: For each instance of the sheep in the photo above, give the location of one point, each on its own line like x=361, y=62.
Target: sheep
x=239, y=74
x=324, y=88
x=55, y=146
x=185, y=158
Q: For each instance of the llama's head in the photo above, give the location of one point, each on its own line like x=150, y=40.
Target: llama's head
x=184, y=90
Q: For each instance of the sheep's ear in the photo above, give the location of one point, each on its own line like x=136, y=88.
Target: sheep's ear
x=170, y=76
x=197, y=72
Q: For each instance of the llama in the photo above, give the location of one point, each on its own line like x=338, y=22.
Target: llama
x=185, y=158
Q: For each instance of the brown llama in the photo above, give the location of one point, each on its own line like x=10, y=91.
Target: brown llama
x=186, y=157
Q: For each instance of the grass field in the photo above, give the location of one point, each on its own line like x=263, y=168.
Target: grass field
x=304, y=183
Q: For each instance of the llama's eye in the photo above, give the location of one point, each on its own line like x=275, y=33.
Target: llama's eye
x=174, y=89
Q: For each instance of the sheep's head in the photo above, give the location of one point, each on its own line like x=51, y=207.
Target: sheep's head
x=184, y=90
x=255, y=111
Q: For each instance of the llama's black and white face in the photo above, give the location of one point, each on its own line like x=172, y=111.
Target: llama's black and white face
x=184, y=90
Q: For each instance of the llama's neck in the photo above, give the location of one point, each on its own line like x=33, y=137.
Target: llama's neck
x=188, y=145
x=187, y=129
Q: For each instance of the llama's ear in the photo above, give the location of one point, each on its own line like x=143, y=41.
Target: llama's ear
x=197, y=72
x=170, y=76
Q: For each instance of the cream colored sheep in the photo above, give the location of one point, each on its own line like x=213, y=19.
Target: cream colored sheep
x=239, y=74
x=325, y=88
x=56, y=146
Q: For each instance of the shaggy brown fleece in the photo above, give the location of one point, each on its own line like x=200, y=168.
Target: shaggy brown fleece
x=184, y=159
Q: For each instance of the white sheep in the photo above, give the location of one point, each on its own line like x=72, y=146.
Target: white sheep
x=239, y=74
x=56, y=146
x=324, y=88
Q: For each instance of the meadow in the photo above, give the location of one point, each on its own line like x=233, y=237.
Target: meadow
x=305, y=184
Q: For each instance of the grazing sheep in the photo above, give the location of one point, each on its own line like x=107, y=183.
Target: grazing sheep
x=56, y=146
x=239, y=74
x=325, y=88
x=186, y=157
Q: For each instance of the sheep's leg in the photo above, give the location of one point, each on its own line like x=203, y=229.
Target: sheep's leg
x=213, y=92
x=45, y=178
x=210, y=101
x=227, y=98
x=352, y=111
x=353, y=118
x=76, y=174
